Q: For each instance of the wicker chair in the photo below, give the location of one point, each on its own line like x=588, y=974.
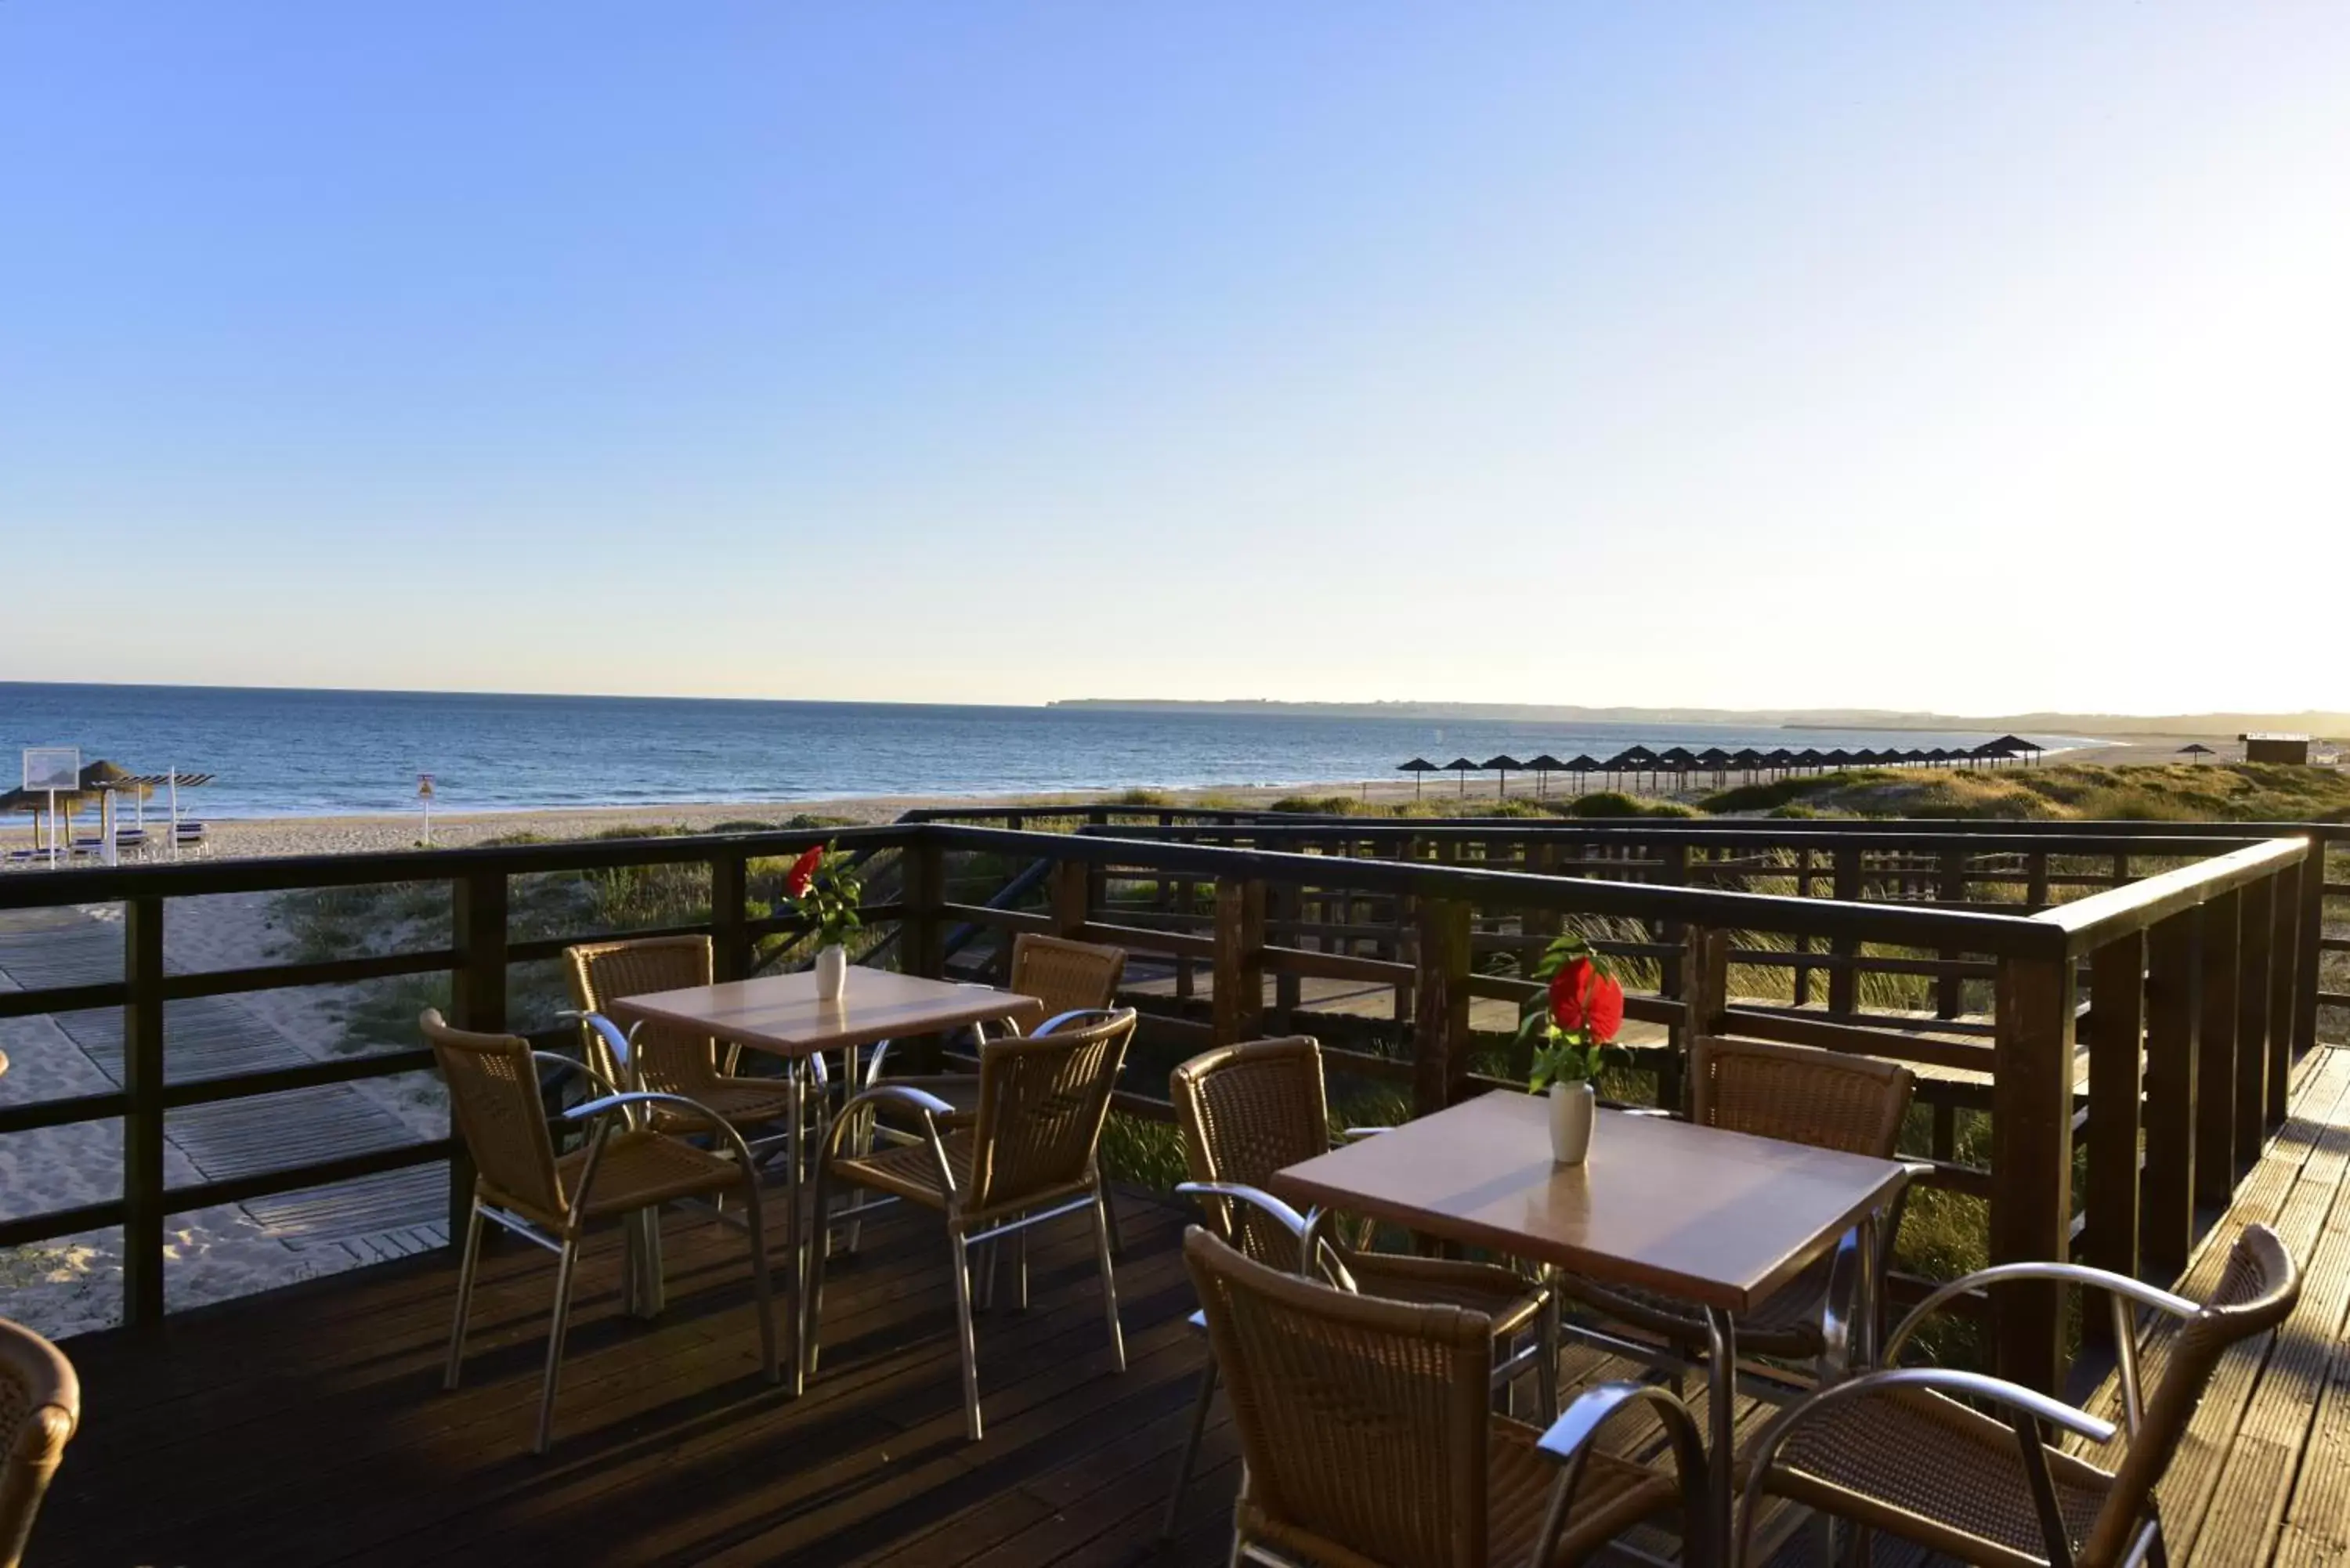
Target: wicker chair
x=1800, y=1094
x=40, y=1406
x=1367, y=1440
x=1066, y=976
x=1248, y=1110
x=665, y=1059
x=625, y=1167
x=1891, y=1450
x=1028, y=1156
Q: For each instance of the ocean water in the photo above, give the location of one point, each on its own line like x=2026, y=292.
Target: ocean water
x=300, y=753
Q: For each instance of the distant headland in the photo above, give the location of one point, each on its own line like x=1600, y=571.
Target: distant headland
x=2229, y=725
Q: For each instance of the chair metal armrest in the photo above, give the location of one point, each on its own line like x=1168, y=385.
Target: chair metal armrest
x=1657, y=1113
x=2024, y=1405
x=2118, y=1285
x=1570, y=1438
x=1305, y=1228
x=1256, y=1196
x=1351, y=1134
x=554, y=1059
x=623, y=1046
x=624, y=1101
x=2121, y=1291
x=923, y=1103
x=1078, y=1015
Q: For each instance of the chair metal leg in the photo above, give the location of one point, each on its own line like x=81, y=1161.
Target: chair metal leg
x=1020, y=1268
x=1190, y=1452
x=555, y=1344
x=465, y=1273
x=862, y=1137
x=966, y=1340
x=763, y=1290
x=1547, y=1373
x=811, y=1303
x=1109, y=1207
x=1108, y=1280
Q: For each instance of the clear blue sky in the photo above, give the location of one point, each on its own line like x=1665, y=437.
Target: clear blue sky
x=1972, y=356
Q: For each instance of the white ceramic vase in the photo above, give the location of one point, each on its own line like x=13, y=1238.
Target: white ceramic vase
x=1573, y=1111
x=831, y=972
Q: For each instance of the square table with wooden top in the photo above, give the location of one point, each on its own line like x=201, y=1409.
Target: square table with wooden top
x=783, y=1016
x=1721, y=1220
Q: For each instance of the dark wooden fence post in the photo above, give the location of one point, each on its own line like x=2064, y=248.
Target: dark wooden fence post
x=2215, y=1052
x=1705, y=998
x=1844, y=980
x=1071, y=896
x=1239, y=997
x=2256, y=912
x=2310, y=956
x=2031, y=1161
x=2174, y=1028
x=1285, y=902
x=1441, y=1019
x=2116, y=1082
x=477, y=1000
x=1950, y=887
x=730, y=896
x=142, y=1120
x=2285, y=972
x=924, y=888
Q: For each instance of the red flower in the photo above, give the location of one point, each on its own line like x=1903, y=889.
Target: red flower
x=802, y=876
x=1581, y=997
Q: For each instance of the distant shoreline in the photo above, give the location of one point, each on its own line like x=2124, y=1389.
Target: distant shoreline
x=285, y=835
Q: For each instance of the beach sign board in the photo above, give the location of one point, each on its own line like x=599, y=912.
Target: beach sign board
x=52, y=769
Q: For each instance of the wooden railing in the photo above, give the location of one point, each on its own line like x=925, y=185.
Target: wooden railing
x=2196, y=953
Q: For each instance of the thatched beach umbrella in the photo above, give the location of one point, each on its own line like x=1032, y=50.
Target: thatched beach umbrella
x=1839, y=758
x=1748, y=761
x=1809, y=757
x=1716, y=760
x=1419, y=768
x=1583, y=765
x=1461, y=765
x=1779, y=759
x=1634, y=760
x=1502, y=764
x=1864, y=757
x=2195, y=748
x=1542, y=767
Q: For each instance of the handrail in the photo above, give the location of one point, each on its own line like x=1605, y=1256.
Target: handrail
x=1812, y=836
x=1909, y=925
x=2092, y=922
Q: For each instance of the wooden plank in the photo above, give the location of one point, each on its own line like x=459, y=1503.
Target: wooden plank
x=2031, y=1160
x=2116, y=1088
x=1239, y=995
x=2174, y=1001
x=2256, y=916
x=2215, y=1089
x=1440, y=1015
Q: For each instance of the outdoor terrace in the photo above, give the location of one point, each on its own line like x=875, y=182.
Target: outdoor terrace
x=2124, y=1027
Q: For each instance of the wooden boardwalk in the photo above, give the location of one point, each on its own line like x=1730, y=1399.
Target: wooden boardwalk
x=308, y=1426
x=211, y=1036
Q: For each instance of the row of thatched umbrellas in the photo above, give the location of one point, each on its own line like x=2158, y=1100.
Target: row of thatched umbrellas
x=1637, y=761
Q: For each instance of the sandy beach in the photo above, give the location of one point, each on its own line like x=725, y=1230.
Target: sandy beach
x=284, y=836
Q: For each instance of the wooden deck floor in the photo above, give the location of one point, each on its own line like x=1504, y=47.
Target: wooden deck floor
x=309, y=1426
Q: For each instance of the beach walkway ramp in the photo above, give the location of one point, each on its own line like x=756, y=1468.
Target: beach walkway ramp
x=370, y=1219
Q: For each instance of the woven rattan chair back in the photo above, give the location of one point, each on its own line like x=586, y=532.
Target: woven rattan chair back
x=1362, y=1421
x=668, y=1059
x=2256, y=1292
x=40, y=1406
x=1246, y=1111
x=1066, y=976
x=493, y=1099
x=1042, y=1102
x=1801, y=1095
